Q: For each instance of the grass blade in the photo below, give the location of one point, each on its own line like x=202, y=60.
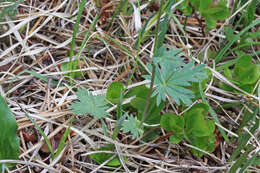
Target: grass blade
x=229, y=44
x=63, y=139
x=40, y=131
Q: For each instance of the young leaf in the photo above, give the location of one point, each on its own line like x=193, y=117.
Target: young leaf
x=195, y=124
x=172, y=123
x=198, y=131
x=89, y=104
x=113, y=92
x=245, y=71
x=9, y=141
x=133, y=126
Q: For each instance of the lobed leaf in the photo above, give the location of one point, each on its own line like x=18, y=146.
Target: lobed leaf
x=89, y=104
x=172, y=76
x=133, y=126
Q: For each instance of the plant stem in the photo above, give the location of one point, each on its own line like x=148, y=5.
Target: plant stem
x=72, y=46
x=145, y=113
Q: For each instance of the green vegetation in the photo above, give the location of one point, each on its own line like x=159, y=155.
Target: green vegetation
x=9, y=141
x=167, y=85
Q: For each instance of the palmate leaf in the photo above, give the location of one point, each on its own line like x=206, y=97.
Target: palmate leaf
x=172, y=76
x=133, y=126
x=89, y=104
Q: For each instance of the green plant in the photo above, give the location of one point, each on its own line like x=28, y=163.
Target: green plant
x=244, y=75
x=243, y=143
x=193, y=127
x=9, y=141
x=172, y=76
x=211, y=11
x=97, y=106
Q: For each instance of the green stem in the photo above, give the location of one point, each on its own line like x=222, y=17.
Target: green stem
x=145, y=113
x=76, y=27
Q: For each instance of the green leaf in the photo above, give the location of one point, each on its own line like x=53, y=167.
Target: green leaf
x=89, y=104
x=138, y=91
x=153, y=109
x=246, y=72
x=185, y=8
x=198, y=131
x=206, y=143
x=195, y=85
x=113, y=92
x=234, y=39
x=175, y=138
x=102, y=157
x=133, y=126
x=9, y=141
x=139, y=104
x=172, y=76
x=209, y=10
x=195, y=123
x=172, y=123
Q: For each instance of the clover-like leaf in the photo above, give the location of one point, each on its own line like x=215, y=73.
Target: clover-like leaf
x=198, y=131
x=211, y=11
x=195, y=123
x=89, y=104
x=172, y=123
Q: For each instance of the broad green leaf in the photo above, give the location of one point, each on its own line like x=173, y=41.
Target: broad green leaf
x=175, y=138
x=195, y=124
x=9, y=141
x=196, y=3
x=206, y=143
x=172, y=123
x=246, y=72
x=89, y=104
x=203, y=4
x=211, y=11
x=102, y=157
x=153, y=110
x=113, y=92
x=138, y=91
x=228, y=73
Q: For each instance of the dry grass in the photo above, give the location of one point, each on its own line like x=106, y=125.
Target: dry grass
x=38, y=40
